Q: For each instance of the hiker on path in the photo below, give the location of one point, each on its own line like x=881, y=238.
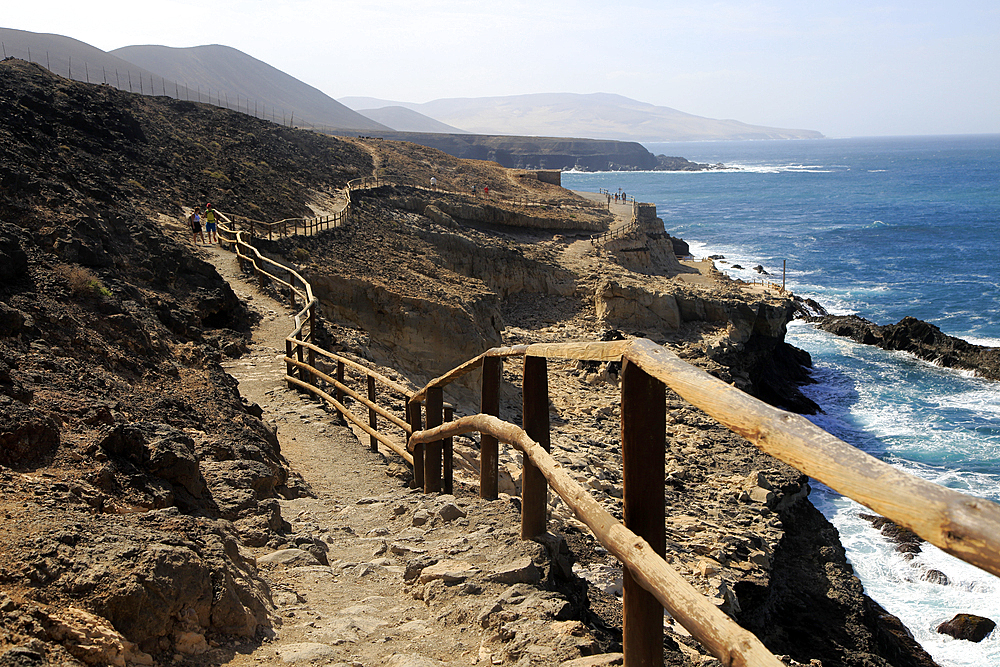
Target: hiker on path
x=434, y=183
x=210, y=223
x=195, y=221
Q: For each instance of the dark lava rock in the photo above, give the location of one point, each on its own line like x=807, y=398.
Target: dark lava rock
x=936, y=577
x=922, y=339
x=967, y=626
x=13, y=258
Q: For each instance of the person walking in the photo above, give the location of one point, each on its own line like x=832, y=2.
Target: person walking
x=210, y=224
x=434, y=183
x=195, y=221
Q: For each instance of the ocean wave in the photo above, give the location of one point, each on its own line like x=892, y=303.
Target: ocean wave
x=781, y=168
x=984, y=342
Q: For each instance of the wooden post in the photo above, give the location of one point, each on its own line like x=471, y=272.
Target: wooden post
x=432, y=450
x=447, y=451
x=340, y=379
x=289, y=368
x=304, y=375
x=312, y=323
x=534, y=489
x=489, y=459
x=643, y=444
x=416, y=424
x=372, y=415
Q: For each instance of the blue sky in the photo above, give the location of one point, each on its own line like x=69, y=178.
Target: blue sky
x=843, y=68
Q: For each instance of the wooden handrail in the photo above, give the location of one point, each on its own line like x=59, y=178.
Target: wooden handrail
x=391, y=444
x=350, y=392
x=962, y=525
x=395, y=386
x=727, y=641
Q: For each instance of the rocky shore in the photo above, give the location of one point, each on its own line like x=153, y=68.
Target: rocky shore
x=159, y=511
x=921, y=339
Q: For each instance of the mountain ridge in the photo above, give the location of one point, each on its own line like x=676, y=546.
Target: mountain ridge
x=240, y=74
x=592, y=115
x=238, y=78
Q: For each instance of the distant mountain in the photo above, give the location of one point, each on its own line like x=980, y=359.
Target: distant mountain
x=235, y=74
x=406, y=120
x=598, y=116
x=228, y=77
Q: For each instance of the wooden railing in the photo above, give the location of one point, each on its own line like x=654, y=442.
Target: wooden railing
x=619, y=232
x=306, y=226
x=965, y=526
x=962, y=525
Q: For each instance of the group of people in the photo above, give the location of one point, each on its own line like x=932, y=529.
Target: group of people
x=618, y=197
x=200, y=229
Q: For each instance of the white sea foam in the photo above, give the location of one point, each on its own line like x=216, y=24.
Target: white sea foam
x=985, y=342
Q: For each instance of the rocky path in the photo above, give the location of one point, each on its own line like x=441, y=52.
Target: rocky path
x=373, y=573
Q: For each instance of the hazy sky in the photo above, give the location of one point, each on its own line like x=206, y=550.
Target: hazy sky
x=847, y=68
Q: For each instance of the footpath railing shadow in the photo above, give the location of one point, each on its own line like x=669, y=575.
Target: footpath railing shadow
x=962, y=525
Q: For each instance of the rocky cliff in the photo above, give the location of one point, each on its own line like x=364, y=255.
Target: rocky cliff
x=516, y=152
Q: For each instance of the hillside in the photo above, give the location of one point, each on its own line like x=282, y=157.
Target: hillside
x=596, y=116
x=159, y=510
x=402, y=119
x=77, y=60
x=227, y=70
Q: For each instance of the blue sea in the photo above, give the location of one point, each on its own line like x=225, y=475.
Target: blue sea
x=884, y=228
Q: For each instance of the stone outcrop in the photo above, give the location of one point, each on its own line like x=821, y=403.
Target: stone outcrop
x=753, y=346
x=646, y=247
x=968, y=626
x=412, y=332
x=922, y=339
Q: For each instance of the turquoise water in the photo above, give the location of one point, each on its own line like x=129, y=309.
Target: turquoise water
x=885, y=228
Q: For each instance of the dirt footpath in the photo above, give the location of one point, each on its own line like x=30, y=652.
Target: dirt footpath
x=375, y=573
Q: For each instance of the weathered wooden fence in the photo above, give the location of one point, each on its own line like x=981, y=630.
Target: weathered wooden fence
x=619, y=232
x=421, y=427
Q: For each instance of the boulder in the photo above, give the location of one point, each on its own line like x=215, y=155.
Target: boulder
x=290, y=558
x=967, y=626
x=161, y=451
x=27, y=437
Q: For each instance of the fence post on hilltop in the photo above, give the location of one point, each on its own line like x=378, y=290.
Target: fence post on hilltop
x=288, y=363
x=535, y=411
x=448, y=453
x=432, y=450
x=413, y=415
x=643, y=443
x=372, y=415
x=488, y=447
